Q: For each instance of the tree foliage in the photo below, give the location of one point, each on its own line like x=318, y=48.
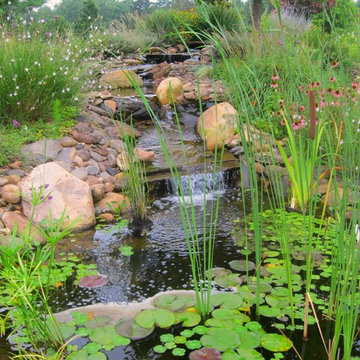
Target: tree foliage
x=18, y=7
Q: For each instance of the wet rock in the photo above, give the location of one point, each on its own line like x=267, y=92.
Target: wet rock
x=133, y=107
x=180, y=48
x=68, y=141
x=169, y=90
x=80, y=173
x=11, y=193
x=143, y=155
x=66, y=155
x=18, y=221
x=69, y=194
x=42, y=151
x=113, y=201
x=107, y=217
x=97, y=191
x=132, y=62
x=217, y=124
x=120, y=79
x=82, y=137
x=92, y=170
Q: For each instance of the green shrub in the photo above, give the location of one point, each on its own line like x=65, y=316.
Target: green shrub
x=343, y=17
x=34, y=73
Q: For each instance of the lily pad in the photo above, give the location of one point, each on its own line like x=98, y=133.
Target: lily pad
x=97, y=356
x=175, y=302
x=276, y=342
x=79, y=317
x=193, y=344
x=187, y=333
x=93, y=281
x=242, y=265
x=92, y=348
x=269, y=311
x=61, y=331
x=98, y=321
x=107, y=335
x=159, y=317
x=78, y=355
x=130, y=329
x=230, y=280
x=180, y=340
x=248, y=340
x=227, y=300
x=188, y=318
x=200, y=330
x=159, y=349
x=250, y=354
x=221, y=339
x=205, y=354
x=166, y=338
x=170, y=345
x=230, y=355
x=218, y=271
x=280, y=291
x=178, y=352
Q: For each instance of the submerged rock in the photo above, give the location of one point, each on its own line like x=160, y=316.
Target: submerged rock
x=67, y=193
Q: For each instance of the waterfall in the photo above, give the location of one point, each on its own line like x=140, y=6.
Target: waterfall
x=195, y=184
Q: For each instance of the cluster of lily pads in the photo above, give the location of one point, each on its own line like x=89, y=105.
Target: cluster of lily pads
x=228, y=332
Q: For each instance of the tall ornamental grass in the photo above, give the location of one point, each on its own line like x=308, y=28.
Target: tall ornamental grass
x=34, y=73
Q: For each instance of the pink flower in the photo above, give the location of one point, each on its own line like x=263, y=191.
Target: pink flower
x=336, y=93
x=274, y=85
x=280, y=43
x=16, y=124
x=282, y=122
x=275, y=77
x=334, y=64
x=302, y=108
x=302, y=123
x=296, y=125
x=332, y=79
x=355, y=86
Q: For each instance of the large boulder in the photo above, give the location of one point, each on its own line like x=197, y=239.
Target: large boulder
x=67, y=193
x=169, y=90
x=120, y=79
x=217, y=124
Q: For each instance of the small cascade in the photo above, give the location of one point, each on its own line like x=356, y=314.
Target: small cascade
x=196, y=184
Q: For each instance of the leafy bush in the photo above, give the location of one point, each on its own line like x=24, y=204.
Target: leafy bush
x=34, y=73
x=343, y=17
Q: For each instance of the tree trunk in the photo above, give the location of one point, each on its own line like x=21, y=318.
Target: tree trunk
x=256, y=11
